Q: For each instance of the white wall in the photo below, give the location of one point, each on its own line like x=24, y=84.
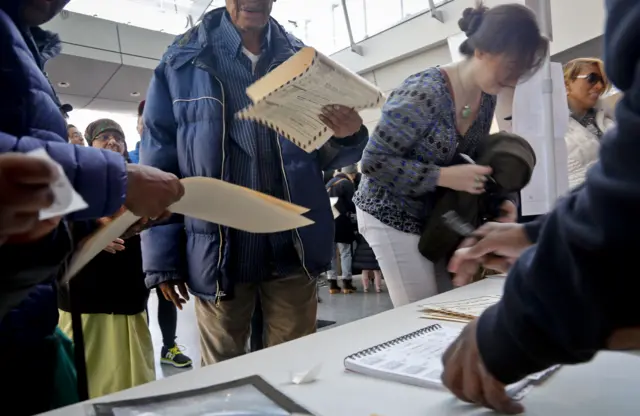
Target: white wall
x=103, y=40
x=390, y=76
x=574, y=22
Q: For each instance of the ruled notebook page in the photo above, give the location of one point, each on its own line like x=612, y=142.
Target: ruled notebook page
x=416, y=359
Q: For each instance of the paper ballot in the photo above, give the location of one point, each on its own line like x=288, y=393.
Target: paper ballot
x=66, y=199
x=529, y=121
x=209, y=200
x=334, y=211
x=290, y=98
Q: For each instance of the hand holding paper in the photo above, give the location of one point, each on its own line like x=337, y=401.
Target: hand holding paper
x=150, y=191
x=34, y=194
x=209, y=200
x=343, y=121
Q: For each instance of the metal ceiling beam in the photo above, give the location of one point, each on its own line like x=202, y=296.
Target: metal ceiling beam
x=435, y=13
x=355, y=48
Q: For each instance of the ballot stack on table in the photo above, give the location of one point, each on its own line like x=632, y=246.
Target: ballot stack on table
x=462, y=311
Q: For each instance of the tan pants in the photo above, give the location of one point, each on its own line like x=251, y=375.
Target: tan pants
x=289, y=308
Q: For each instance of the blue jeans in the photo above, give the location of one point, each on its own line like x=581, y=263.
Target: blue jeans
x=345, y=262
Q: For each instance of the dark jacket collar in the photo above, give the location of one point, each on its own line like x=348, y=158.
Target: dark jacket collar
x=43, y=44
x=47, y=43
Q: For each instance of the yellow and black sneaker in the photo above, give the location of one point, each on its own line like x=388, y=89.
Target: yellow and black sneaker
x=348, y=287
x=175, y=357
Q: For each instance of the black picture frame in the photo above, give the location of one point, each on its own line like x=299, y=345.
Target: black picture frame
x=288, y=405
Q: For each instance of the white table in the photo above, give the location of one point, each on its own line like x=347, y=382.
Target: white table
x=608, y=385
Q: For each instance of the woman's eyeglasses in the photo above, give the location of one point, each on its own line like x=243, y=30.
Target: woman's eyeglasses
x=105, y=137
x=593, y=78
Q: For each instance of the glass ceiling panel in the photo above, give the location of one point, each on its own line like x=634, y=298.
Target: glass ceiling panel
x=319, y=23
x=170, y=16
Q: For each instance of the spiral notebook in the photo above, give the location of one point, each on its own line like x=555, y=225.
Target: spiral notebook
x=416, y=359
x=290, y=98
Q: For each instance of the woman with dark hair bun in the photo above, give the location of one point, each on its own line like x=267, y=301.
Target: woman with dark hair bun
x=427, y=122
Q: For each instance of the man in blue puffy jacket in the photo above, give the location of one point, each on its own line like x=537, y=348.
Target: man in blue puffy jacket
x=190, y=130
x=32, y=251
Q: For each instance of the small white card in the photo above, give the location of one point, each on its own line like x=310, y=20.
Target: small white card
x=66, y=199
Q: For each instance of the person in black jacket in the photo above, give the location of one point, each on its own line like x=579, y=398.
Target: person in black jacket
x=342, y=187
x=109, y=298
x=578, y=270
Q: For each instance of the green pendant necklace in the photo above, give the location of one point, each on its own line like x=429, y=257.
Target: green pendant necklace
x=466, y=111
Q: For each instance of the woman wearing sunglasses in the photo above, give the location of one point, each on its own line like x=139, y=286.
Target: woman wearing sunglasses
x=586, y=82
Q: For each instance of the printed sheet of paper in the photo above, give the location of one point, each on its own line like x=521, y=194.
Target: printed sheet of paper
x=209, y=200
x=291, y=97
x=468, y=308
x=334, y=211
x=529, y=121
x=66, y=199
x=445, y=317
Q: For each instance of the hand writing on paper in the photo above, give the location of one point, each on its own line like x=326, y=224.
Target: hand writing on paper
x=25, y=190
x=495, y=246
x=168, y=289
x=344, y=121
x=466, y=376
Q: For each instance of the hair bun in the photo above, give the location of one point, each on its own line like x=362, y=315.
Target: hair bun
x=471, y=19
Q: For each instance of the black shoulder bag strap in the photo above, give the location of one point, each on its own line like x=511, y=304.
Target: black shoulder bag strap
x=78, y=346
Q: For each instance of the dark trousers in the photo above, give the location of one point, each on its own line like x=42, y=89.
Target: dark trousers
x=167, y=320
x=256, y=341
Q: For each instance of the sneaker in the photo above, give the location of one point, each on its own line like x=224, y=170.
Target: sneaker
x=348, y=287
x=175, y=357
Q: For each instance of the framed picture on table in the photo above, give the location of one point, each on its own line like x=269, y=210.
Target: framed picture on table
x=251, y=396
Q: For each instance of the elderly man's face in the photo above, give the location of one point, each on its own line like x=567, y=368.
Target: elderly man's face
x=38, y=12
x=250, y=15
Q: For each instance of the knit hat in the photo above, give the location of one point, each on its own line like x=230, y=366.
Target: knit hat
x=349, y=170
x=100, y=126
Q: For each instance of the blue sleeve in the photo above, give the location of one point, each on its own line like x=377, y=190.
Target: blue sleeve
x=162, y=246
x=564, y=297
x=99, y=176
x=338, y=153
x=407, y=118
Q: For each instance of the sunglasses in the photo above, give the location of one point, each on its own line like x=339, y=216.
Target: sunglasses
x=592, y=78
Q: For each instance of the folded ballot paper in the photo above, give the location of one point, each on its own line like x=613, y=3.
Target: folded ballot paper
x=210, y=200
x=290, y=98
x=65, y=199
x=459, y=311
x=334, y=211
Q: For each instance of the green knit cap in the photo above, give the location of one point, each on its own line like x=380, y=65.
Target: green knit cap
x=100, y=126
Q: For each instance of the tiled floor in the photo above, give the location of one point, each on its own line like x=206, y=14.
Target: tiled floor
x=339, y=308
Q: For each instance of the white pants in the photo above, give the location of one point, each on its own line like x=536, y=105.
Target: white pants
x=409, y=276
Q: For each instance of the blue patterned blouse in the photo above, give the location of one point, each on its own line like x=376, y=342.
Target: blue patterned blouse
x=416, y=135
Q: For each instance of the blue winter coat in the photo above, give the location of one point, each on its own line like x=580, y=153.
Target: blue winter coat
x=30, y=118
x=189, y=138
